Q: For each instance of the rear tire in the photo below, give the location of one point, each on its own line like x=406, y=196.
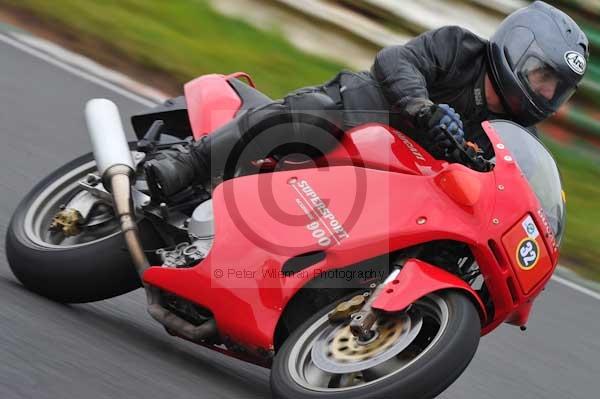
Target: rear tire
x=426, y=376
x=85, y=272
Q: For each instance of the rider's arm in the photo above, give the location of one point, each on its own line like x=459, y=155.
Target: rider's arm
x=434, y=59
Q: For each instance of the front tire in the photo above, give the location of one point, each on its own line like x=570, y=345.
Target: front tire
x=78, y=269
x=438, y=345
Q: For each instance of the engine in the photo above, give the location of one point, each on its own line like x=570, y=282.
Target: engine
x=200, y=230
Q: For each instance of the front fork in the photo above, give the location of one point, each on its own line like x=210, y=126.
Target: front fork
x=361, y=322
x=401, y=289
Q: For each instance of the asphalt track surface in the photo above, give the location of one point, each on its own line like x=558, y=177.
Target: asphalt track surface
x=112, y=349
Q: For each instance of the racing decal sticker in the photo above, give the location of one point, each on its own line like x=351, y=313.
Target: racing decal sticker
x=411, y=147
x=323, y=224
x=528, y=254
x=530, y=259
x=530, y=228
x=576, y=62
x=547, y=229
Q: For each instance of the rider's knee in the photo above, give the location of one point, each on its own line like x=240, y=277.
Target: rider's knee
x=316, y=119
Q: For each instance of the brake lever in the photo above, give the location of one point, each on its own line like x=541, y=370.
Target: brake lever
x=466, y=152
x=150, y=140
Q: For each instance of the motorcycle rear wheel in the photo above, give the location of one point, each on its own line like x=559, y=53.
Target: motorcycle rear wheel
x=84, y=268
x=436, y=340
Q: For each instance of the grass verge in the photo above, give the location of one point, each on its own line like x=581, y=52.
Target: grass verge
x=179, y=40
x=581, y=179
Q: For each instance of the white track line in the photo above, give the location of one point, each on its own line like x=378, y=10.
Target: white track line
x=76, y=71
x=76, y=60
x=576, y=287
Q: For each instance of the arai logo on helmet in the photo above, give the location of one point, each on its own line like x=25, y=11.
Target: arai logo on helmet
x=575, y=61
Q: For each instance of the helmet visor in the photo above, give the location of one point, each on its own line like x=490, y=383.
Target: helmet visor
x=544, y=83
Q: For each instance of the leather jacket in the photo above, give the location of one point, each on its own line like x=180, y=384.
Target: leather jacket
x=442, y=66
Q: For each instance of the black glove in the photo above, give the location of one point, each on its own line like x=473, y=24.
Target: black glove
x=437, y=121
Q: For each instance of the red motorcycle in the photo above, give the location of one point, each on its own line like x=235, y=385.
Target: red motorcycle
x=369, y=272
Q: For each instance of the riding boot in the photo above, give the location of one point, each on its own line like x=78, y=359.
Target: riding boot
x=203, y=162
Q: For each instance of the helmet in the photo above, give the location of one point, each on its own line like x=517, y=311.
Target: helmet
x=537, y=57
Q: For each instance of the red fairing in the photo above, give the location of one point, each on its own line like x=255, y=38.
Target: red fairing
x=460, y=185
x=211, y=103
x=418, y=279
x=380, y=193
x=257, y=232
x=520, y=316
x=380, y=147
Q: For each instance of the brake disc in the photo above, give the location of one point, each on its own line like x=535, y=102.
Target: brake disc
x=338, y=351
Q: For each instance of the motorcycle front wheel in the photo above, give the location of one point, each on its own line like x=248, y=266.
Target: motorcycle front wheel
x=415, y=354
x=90, y=266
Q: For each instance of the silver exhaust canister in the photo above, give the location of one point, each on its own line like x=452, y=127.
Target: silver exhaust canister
x=107, y=135
x=114, y=162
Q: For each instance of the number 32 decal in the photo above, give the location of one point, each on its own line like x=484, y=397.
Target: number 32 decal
x=528, y=254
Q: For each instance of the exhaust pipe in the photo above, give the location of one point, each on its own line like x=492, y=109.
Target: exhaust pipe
x=107, y=135
x=114, y=162
x=115, y=165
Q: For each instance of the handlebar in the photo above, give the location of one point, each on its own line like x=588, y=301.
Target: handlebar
x=467, y=153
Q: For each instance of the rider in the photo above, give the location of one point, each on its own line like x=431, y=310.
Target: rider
x=525, y=72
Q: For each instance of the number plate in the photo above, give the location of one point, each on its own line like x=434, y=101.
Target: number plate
x=527, y=252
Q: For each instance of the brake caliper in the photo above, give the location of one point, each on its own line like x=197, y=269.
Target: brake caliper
x=66, y=221
x=345, y=309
